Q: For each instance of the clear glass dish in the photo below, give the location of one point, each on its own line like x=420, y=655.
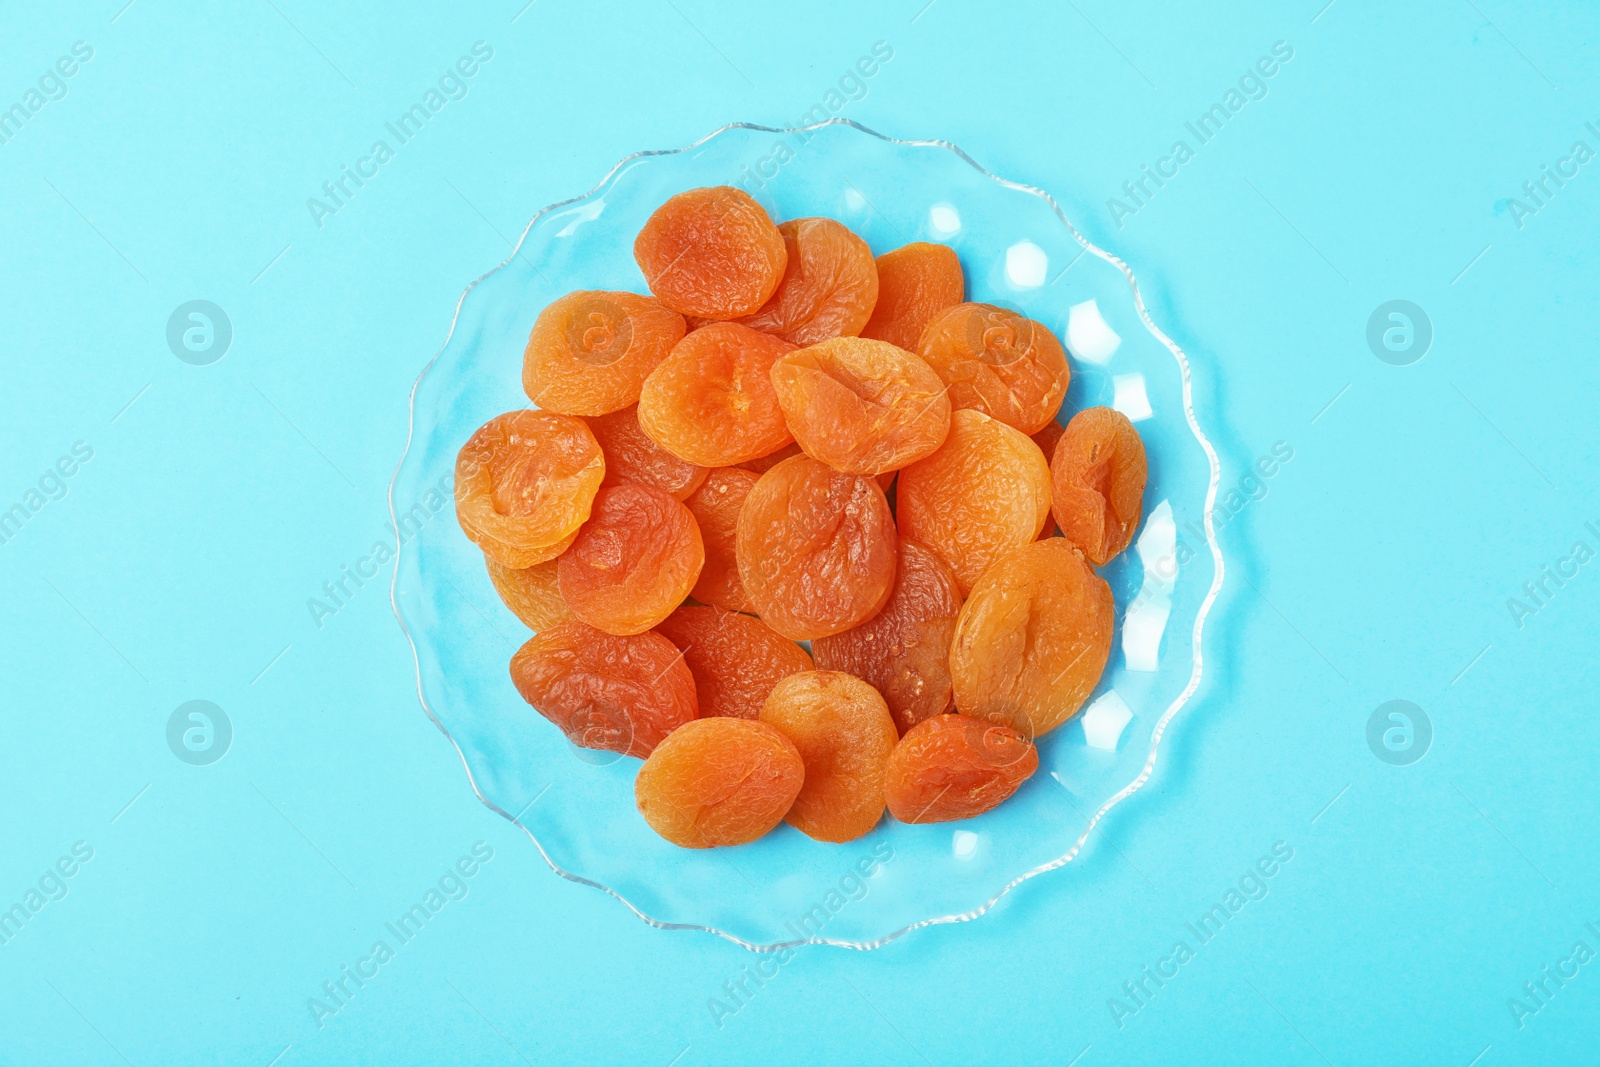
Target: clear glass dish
x=577, y=806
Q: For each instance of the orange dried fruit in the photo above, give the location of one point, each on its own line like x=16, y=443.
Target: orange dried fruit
x=829, y=286
x=589, y=351
x=715, y=506
x=713, y=253
x=985, y=492
x=735, y=659
x=718, y=782
x=953, y=767
x=845, y=734
x=1097, y=478
x=633, y=562
x=998, y=362
x=632, y=457
x=525, y=481
x=711, y=400
x=915, y=283
x=816, y=549
x=1032, y=639
x=620, y=694
x=904, y=650
x=530, y=592
x=861, y=406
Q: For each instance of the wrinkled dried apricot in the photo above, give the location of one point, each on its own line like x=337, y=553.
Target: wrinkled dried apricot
x=715, y=506
x=713, y=253
x=621, y=694
x=915, y=283
x=816, y=549
x=861, y=406
x=954, y=767
x=845, y=734
x=735, y=659
x=633, y=562
x=829, y=286
x=718, y=781
x=904, y=650
x=1032, y=639
x=525, y=481
x=711, y=400
x=531, y=593
x=1097, y=479
x=632, y=457
x=985, y=492
x=589, y=351
x=998, y=362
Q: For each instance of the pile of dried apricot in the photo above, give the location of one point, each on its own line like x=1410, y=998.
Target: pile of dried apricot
x=791, y=441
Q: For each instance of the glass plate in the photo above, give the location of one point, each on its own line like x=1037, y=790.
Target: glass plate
x=1018, y=250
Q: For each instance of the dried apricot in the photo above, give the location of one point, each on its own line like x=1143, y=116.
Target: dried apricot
x=715, y=506
x=525, y=481
x=1032, y=639
x=621, y=694
x=904, y=650
x=1097, y=478
x=530, y=593
x=998, y=362
x=816, y=549
x=633, y=562
x=711, y=400
x=589, y=351
x=985, y=492
x=735, y=659
x=845, y=734
x=713, y=253
x=829, y=286
x=632, y=457
x=952, y=767
x=718, y=781
x=861, y=406
x=915, y=283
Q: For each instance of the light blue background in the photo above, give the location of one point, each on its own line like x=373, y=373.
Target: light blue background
x=1378, y=566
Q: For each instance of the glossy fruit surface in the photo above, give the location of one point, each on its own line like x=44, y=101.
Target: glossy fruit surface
x=619, y=694
x=816, y=549
x=845, y=734
x=1032, y=639
x=712, y=253
x=718, y=782
x=589, y=352
x=524, y=484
